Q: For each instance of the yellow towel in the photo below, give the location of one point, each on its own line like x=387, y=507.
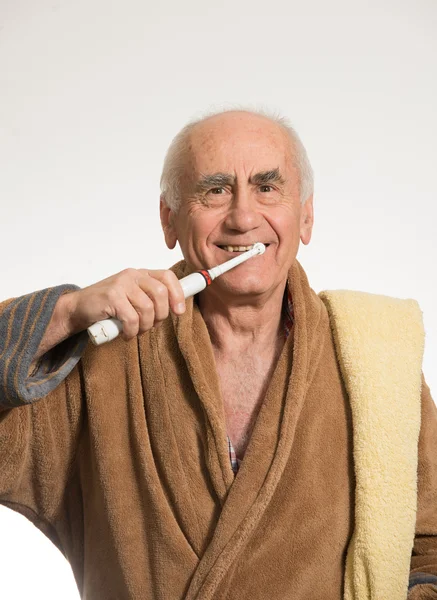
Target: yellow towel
x=380, y=342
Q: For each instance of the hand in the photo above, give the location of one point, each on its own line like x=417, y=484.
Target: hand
x=139, y=298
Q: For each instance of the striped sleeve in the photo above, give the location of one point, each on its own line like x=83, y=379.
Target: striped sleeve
x=23, y=322
x=422, y=588
x=423, y=572
x=421, y=579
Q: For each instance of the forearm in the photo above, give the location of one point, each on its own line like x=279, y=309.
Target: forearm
x=59, y=328
x=31, y=327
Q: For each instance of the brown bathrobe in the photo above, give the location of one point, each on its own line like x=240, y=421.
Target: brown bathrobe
x=125, y=467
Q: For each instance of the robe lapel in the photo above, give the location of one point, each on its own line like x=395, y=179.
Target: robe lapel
x=195, y=346
x=245, y=499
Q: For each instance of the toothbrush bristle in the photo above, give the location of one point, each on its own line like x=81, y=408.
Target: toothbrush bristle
x=260, y=247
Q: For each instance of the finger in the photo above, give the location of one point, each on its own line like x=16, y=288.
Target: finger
x=130, y=319
x=149, y=290
x=176, y=297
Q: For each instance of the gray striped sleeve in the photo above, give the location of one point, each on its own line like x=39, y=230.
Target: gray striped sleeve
x=423, y=579
x=22, y=326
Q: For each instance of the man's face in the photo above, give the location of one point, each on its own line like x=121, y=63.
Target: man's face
x=240, y=186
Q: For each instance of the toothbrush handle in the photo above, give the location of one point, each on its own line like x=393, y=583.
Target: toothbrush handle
x=108, y=329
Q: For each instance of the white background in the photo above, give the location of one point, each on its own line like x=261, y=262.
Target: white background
x=92, y=93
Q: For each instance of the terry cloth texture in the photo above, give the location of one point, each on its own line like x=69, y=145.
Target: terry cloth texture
x=125, y=466
x=423, y=592
x=421, y=580
x=382, y=378
x=22, y=326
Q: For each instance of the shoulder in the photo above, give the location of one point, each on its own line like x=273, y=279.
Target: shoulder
x=360, y=307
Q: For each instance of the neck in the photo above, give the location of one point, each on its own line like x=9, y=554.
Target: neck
x=235, y=327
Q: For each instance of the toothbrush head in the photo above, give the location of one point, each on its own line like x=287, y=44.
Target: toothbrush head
x=259, y=246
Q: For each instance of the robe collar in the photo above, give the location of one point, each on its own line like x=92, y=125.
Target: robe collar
x=245, y=498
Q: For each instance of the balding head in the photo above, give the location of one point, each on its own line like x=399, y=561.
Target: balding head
x=202, y=133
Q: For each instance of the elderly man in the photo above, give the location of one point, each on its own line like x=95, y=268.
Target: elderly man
x=213, y=456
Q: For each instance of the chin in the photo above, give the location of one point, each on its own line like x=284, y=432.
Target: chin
x=243, y=287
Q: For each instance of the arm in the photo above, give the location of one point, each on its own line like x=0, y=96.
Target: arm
x=39, y=440
x=51, y=323
x=32, y=327
x=423, y=574
x=59, y=328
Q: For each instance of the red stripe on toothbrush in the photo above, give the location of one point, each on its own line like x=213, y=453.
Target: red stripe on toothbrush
x=206, y=276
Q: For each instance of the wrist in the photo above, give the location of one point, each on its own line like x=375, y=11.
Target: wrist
x=65, y=314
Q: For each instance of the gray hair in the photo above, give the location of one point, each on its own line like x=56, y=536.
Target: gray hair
x=174, y=160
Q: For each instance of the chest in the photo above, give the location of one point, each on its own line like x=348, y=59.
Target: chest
x=243, y=386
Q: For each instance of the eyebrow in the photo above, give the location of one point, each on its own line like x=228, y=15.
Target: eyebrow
x=272, y=176
x=206, y=182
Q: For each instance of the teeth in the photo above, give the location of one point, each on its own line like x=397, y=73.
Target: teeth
x=237, y=248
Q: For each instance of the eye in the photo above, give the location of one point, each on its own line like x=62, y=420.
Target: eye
x=266, y=188
x=217, y=191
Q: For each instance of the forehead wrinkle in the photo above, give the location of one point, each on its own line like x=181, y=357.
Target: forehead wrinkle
x=214, y=140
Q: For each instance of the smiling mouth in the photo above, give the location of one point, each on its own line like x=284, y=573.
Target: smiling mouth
x=239, y=248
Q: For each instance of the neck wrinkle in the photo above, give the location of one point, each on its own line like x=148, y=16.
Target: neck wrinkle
x=236, y=328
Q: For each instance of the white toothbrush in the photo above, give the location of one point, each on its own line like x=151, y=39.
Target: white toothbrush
x=107, y=330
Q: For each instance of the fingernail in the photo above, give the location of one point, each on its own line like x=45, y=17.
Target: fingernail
x=180, y=308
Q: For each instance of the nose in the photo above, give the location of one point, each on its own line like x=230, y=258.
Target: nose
x=243, y=214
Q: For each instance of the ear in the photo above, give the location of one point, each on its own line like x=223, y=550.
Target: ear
x=167, y=224
x=306, y=220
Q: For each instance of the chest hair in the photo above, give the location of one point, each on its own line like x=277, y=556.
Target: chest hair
x=243, y=384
